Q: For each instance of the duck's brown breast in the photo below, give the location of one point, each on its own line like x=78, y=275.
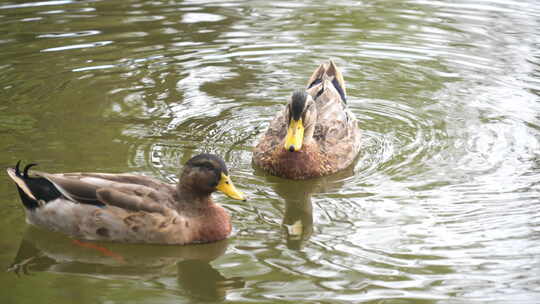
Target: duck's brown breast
x=213, y=224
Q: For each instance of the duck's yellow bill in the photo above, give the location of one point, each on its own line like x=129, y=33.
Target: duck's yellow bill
x=295, y=135
x=226, y=186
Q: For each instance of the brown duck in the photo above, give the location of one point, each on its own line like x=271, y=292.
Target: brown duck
x=315, y=134
x=130, y=208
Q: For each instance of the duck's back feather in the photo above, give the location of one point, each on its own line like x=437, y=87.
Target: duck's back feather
x=336, y=130
x=127, y=191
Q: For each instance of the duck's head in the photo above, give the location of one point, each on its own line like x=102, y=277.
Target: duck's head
x=301, y=114
x=206, y=173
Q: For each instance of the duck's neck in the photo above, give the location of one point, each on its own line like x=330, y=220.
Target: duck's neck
x=188, y=198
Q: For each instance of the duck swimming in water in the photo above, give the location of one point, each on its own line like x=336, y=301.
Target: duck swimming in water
x=128, y=207
x=315, y=134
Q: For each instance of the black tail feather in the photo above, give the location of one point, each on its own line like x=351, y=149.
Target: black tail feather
x=25, y=173
x=17, y=171
x=41, y=188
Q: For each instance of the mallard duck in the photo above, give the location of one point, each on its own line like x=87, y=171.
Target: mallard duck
x=128, y=207
x=315, y=134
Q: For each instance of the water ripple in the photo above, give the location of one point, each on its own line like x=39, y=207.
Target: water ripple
x=77, y=46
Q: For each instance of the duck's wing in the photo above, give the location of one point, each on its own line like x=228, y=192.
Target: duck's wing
x=327, y=87
x=126, y=191
x=337, y=128
x=326, y=76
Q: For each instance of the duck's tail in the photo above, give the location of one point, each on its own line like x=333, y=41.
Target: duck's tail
x=34, y=191
x=331, y=72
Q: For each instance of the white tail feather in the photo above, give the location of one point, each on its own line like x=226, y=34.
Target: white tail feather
x=20, y=183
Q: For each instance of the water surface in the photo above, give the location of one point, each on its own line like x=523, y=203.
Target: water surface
x=441, y=207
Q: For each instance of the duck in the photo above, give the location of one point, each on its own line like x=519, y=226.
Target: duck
x=130, y=208
x=315, y=134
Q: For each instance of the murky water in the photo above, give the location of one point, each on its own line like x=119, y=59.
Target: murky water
x=442, y=206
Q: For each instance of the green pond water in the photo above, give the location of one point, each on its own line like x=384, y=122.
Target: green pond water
x=442, y=205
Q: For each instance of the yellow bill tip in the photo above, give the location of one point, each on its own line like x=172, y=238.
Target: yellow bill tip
x=226, y=186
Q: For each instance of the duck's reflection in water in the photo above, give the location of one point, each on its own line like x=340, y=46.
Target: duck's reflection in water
x=200, y=280
x=298, y=214
x=44, y=251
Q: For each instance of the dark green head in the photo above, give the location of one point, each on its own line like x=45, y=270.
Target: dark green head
x=210, y=162
x=206, y=173
x=298, y=103
x=302, y=115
